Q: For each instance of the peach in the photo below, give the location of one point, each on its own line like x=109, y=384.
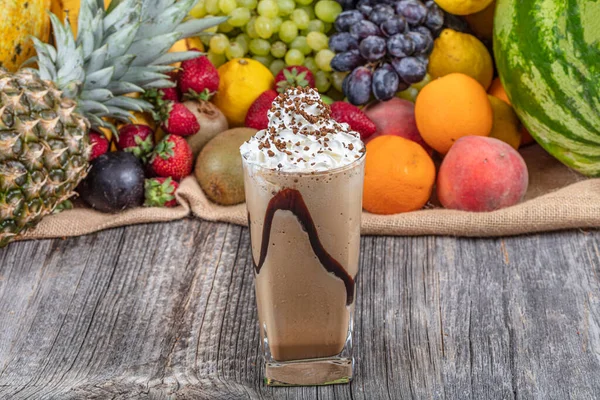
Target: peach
x=481, y=174
x=396, y=117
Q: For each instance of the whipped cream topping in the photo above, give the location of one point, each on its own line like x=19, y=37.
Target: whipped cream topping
x=302, y=136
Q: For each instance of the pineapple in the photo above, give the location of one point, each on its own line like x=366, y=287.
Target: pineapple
x=81, y=84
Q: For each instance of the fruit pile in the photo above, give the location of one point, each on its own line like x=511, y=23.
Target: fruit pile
x=143, y=171
x=422, y=73
x=274, y=32
x=473, y=134
x=84, y=84
x=414, y=77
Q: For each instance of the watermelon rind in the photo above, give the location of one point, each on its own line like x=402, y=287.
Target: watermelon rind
x=548, y=58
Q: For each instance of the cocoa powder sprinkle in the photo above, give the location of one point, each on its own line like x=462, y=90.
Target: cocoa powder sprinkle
x=307, y=116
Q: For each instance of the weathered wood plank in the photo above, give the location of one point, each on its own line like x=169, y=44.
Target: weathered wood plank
x=167, y=311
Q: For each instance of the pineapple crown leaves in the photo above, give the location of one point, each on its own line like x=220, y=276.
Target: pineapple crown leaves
x=292, y=79
x=158, y=193
x=118, y=51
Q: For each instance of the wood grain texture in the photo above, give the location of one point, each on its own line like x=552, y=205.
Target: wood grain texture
x=166, y=311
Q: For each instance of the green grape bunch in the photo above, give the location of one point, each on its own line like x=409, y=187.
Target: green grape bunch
x=277, y=33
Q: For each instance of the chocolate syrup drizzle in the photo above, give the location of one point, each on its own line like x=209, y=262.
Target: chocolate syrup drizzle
x=291, y=200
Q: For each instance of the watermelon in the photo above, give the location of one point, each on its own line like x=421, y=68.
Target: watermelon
x=548, y=58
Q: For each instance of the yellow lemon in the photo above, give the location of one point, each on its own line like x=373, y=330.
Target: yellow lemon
x=506, y=125
x=242, y=81
x=463, y=7
x=463, y=53
x=482, y=23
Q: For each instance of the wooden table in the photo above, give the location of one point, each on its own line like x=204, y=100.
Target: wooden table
x=166, y=311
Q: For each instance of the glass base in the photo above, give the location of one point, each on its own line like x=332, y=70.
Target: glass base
x=313, y=372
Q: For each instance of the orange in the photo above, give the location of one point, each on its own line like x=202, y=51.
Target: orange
x=399, y=176
x=497, y=90
x=450, y=108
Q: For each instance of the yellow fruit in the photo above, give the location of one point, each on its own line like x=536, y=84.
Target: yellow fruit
x=143, y=119
x=497, y=90
x=180, y=45
x=159, y=134
x=139, y=118
x=108, y=135
x=71, y=7
x=186, y=45
x=463, y=53
x=482, y=23
x=463, y=7
x=242, y=81
x=506, y=125
x=194, y=43
x=18, y=23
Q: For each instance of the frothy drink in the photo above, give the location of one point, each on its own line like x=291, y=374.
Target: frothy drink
x=303, y=182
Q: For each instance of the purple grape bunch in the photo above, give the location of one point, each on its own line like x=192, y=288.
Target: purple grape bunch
x=384, y=44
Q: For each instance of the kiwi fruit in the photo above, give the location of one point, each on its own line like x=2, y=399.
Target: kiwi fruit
x=219, y=167
x=211, y=120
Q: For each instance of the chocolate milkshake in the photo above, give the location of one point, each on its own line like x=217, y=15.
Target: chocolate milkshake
x=303, y=182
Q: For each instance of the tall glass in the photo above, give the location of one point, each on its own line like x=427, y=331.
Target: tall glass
x=305, y=234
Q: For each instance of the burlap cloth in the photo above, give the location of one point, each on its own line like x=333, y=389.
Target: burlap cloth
x=558, y=198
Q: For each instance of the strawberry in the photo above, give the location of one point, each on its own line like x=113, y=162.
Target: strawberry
x=198, y=78
x=159, y=96
x=294, y=76
x=353, y=116
x=178, y=119
x=99, y=144
x=172, y=157
x=160, y=192
x=136, y=139
x=170, y=94
x=257, y=113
